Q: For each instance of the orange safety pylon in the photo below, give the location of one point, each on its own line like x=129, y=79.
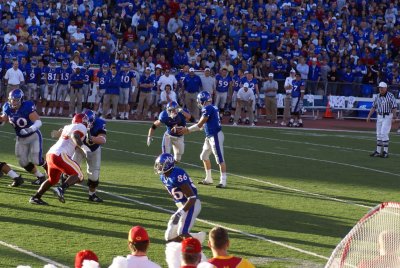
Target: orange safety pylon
x=328, y=112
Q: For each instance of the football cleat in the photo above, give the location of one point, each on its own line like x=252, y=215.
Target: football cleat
x=234, y=124
x=231, y=120
x=37, y=201
x=384, y=155
x=17, y=181
x=240, y=120
x=290, y=124
x=205, y=182
x=374, y=154
x=220, y=186
x=39, y=180
x=247, y=122
x=95, y=198
x=59, y=192
x=300, y=125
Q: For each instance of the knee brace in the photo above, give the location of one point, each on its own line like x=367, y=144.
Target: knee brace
x=29, y=167
x=92, y=184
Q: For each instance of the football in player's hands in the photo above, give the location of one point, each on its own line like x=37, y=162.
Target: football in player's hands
x=177, y=129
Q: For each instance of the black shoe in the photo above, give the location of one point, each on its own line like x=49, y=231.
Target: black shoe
x=119, y=117
x=126, y=118
x=205, y=182
x=290, y=124
x=231, y=120
x=300, y=125
x=39, y=180
x=247, y=122
x=37, y=201
x=108, y=116
x=63, y=178
x=384, y=155
x=95, y=198
x=59, y=192
x=17, y=181
x=374, y=154
x=240, y=121
x=220, y=186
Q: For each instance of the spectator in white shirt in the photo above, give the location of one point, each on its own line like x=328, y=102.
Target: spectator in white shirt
x=78, y=35
x=8, y=37
x=288, y=98
x=32, y=17
x=14, y=77
x=167, y=79
x=138, y=241
x=303, y=68
x=245, y=99
x=208, y=82
x=167, y=95
x=72, y=28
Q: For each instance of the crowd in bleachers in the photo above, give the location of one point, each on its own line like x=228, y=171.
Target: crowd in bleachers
x=338, y=47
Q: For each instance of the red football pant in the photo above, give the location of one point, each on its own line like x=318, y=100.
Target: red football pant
x=58, y=164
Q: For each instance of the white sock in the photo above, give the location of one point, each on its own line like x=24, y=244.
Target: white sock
x=12, y=174
x=38, y=174
x=379, y=149
x=223, y=178
x=61, y=110
x=54, y=109
x=126, y=114
x=43, y=109
x=208, y=175
x=300, y=121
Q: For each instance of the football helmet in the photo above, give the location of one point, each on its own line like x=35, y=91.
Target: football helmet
x=105, y=66
x=86, y=64
x=34, y=62
x=202, y=98
x=91, y=117
x=65, y=64
x=80, y=119
x=172, y=109
x=52, y=63
x=15, y=98
x=164, y=163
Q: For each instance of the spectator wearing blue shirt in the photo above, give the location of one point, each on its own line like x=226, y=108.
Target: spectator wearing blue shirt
x=253, y=38
x=347, y=79
x=111, y=95
x=180, y=58
x=191, y=85
x=146, y=83
x=76, y=92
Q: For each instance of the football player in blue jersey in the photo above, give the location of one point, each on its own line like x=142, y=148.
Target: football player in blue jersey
x=236, y=84
x=52, y=77
x=65, y=73
x=103, y=77
x=23, y=117
x=32, y=80
x=127, y=81
x=96, y=136
x=223, y=90
x=214, y=142
x=88, y=76
x=298, y=90
x=5, y=169
x=184, y=192
x=173, y=117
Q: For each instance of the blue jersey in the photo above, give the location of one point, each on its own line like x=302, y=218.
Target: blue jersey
x=169, y=122
x=213, y=124
x=174, y=181
x=103, y=77
x=65, y=75
x=146, y=80
x=236, y=82
x=126, y=79
x=222, y=83
x=99, y=127
x=42, y=79
x=19, y=119
x=88, y=74
x=296, y=90
x=252, y=83
x=33, y=75
x=51, y=75
x=75, y=77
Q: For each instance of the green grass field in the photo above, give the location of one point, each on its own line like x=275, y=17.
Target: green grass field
x=287, y=188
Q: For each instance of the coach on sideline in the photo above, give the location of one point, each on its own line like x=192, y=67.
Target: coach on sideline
x=385, y=105
x=14, y=77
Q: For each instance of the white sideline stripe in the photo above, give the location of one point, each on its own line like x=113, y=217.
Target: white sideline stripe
x=44, y=259
x=258, y=180
x=214, y=224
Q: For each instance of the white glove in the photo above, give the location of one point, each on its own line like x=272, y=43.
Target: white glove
x=177, y=215
x=149, y=140
x=26, y=131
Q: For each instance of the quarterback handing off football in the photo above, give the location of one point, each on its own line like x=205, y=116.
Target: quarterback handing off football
x=177, y=129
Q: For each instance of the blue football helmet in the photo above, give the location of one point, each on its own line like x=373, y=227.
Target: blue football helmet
x=172, y=109
x=106, y=66
x=34, y=62
x=86, y=64
x=202, y=98
x=52, y=63
x=65, y=64
x=15, y=98
x=164, y=163
x=91, y=117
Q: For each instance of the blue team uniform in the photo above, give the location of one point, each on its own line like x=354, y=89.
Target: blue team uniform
x=33, y=75
x=99, y=127
x=88, y=74
x=169, y=122
x=103, y=77
x=222, y=83
x=126, y=78
x=51, y=74
x=236, y=82
x=252, y=83
x=19, y=119
x=173, y=183
x=65, y=76
x=296, y=88
x=213, y=124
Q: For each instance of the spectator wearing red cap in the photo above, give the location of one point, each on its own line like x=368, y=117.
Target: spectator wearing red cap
x=86, y=255
x=138, y=242
x=218, y=241
x=191, y=252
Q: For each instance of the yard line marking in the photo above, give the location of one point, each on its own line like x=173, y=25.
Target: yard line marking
x=44, y=259
x=214, y=224
x=262, y=181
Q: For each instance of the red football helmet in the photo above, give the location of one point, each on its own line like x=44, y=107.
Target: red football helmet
x=80, y=119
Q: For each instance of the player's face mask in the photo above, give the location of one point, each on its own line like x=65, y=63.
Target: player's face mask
x=15, y=103
x=172, y=112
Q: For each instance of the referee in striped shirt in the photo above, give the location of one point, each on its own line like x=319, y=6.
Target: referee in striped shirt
x=385, y=105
